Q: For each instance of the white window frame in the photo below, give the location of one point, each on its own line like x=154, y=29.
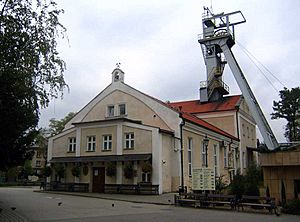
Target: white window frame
x=203, y=154
x=37, y=163
x=225, y=154
x=190, y=155
x=146, y=177
x=216, y=159
x=91, y=143
x=72, y=144
x=119, y=109
x=129, y=141
x=107, y=142
x=110, y=111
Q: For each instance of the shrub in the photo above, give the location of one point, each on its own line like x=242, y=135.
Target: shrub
x=111, y=169
x=292, y=207
x=237, y=185
x=220, y=184
x=47, y=171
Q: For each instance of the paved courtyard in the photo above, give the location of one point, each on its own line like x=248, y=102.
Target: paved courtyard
x=22, y=204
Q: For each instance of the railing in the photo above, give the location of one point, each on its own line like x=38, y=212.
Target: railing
x=141, y=188
x=70, y=187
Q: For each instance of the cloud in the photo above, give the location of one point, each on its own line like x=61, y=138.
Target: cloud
x=156, y=42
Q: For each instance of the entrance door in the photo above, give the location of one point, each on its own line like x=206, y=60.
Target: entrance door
x=98, y=179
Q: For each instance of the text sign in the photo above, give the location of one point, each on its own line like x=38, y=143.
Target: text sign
x=203, y=179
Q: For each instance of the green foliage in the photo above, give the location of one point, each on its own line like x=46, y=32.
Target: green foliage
x=111, y=169
x=60, y=170
x=237, y=185
x=129, y=172
x=252, y=179
x=76, y=171
x=47, y=171
x=28, y=171
x=220, y=184
x=146, y=167
x=289, y=108
x=57, y=126
x=292, y=207
x=31, y=72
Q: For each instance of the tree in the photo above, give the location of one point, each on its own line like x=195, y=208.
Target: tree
x=31, y=72
x=253, y=179
x=57, y=126
x=289, y=108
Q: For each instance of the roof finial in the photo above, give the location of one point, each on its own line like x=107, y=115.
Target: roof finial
x=118, y=64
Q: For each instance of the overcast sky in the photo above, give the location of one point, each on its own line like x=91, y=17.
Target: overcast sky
x=156, y=43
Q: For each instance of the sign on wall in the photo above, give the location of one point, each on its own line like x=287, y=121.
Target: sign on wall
x=203, y=179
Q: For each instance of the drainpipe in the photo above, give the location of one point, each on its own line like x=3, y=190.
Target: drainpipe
x=181, y=189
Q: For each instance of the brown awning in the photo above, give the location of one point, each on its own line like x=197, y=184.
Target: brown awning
x=109, y=158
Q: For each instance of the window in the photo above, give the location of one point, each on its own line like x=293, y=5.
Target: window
x=225, y=157
x=129, y=140
x=107, y=142
x=111, y=111
x=203, y=155
x=72, y=144
x=146, y=177
x=91, y=143
x=216, y=159
x=122, y=109
x=38, y=154
x=38, y=163
x=190, y=148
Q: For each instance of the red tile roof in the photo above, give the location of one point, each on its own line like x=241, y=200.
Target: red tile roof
x=194, y=106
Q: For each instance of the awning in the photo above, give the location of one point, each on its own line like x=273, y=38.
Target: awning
x=108, y=158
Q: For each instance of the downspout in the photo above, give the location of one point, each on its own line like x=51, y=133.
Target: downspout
x=181, y=189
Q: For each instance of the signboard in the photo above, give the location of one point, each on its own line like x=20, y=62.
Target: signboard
x=203, y=179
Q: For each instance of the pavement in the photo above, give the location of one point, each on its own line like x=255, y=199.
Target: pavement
x=163, y=199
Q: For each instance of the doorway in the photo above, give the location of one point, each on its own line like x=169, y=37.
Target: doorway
x=98, y=179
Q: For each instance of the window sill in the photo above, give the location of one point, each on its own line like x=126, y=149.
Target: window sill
x=106, y=150
x=90, y=151
x=71, y=152
x=128, y=149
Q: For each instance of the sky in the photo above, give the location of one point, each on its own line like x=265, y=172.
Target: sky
x=156, y=43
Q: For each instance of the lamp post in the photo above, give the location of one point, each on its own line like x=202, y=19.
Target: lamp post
x=205, y=143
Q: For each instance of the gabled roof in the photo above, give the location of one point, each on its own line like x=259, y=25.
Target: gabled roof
x=202, y=123
x=228, y=103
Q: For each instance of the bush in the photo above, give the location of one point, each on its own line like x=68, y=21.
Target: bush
x=292, y=207
x=237, y=185
x=47, y=171
x=111, y=169
x=220, y=184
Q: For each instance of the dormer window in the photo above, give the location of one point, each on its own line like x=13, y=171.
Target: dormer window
x=110, y=111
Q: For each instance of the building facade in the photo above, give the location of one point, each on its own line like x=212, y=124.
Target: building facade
x=123, y=126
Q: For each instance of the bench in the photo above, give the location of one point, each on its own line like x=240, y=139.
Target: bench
x=257, y=202
x=142, y=188
x=220, y=200
x=146, y=188
x=189, y=199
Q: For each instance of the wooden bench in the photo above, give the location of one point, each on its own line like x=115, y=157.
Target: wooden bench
x=258, y=202
x=147, y=188
x=220, y=200
x=142, y=188
x=189, y=199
